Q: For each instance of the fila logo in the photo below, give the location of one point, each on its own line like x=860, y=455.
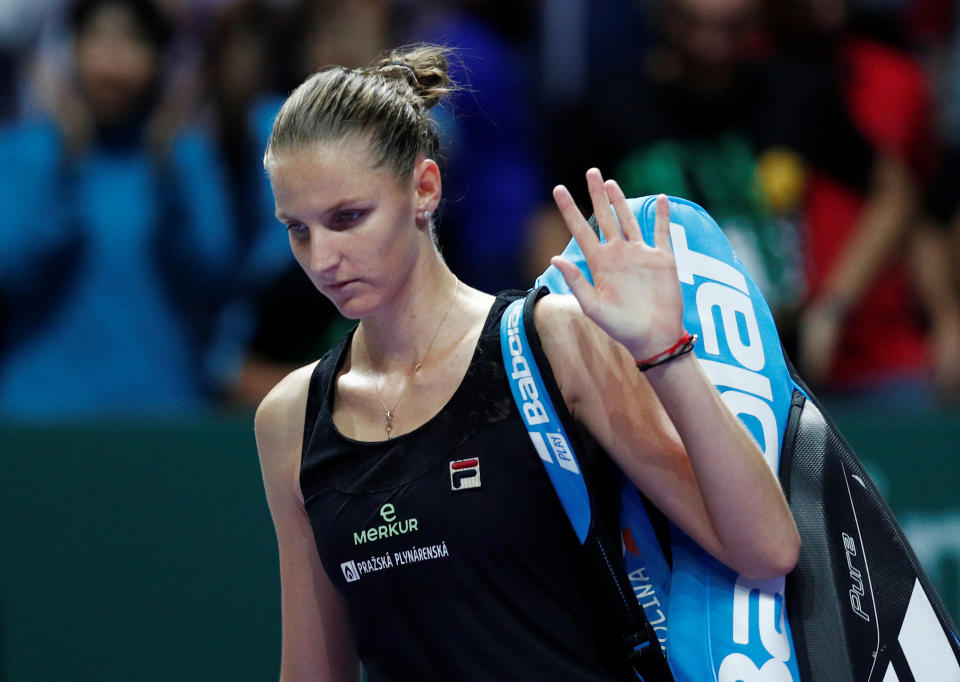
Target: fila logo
x=464, y=474
x=349, y=569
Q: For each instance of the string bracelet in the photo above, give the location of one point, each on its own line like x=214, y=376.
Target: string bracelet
x=681, y=347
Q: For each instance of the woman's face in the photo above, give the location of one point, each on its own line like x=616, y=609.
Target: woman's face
x=352, y=225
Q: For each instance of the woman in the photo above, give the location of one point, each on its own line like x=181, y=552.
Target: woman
x=384, y=556
x=112, y=292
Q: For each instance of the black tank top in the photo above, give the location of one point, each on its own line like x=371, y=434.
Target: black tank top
x=449, y=544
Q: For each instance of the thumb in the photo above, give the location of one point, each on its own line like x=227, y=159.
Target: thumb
x=580, y=287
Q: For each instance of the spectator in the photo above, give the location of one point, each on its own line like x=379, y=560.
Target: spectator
x=691, y=121
x=861, y=332
x=115, y=237
x=936, y=252
x=807, y=162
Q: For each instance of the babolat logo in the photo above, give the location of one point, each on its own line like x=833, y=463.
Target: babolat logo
x=391, y=528
x=531, y=407
x=721, y=293
x=725, y=290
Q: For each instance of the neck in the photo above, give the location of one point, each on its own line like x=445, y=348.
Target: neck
x=398, y=335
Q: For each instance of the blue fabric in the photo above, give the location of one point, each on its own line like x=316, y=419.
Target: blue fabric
x=130, y=251
x=264, y=252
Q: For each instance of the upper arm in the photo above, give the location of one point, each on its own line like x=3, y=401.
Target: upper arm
x=316, y=641
x=614, y=402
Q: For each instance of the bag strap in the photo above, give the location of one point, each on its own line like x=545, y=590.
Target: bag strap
x=553, y=445
x=544, y=427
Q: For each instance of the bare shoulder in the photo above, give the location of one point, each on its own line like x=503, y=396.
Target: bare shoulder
x=559, y=320
x=283, y=406
x=278, y=425
x=575, y=346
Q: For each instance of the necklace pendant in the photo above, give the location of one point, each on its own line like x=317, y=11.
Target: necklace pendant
x=389, y=425
x=418, y=367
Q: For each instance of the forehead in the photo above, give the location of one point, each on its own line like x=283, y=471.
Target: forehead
x=328, y=172
x=112, y=19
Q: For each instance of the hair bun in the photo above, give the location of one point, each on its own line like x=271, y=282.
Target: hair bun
x=424, y=67
x=387, y=101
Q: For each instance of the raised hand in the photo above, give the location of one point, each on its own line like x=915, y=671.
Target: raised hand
x=635, y=296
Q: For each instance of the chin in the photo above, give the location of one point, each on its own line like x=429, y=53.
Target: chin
x=353, y=307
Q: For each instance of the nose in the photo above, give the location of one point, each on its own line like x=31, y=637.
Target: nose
x=324, y=256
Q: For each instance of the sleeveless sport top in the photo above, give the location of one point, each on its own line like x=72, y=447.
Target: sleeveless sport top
x=449, y=544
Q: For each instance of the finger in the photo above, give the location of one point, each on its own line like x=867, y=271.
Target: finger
x=579, y=285
x=628, y=221
x=578, y=227
x=661, y=224
x=601, y=207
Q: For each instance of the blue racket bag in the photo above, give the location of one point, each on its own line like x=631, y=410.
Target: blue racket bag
x=857, y=607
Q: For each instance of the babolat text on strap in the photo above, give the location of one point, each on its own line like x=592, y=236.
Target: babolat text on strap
x=547, y=434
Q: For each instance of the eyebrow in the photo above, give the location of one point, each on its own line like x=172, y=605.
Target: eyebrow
x=283, y=217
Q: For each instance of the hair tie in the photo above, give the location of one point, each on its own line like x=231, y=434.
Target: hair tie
x=403, y=65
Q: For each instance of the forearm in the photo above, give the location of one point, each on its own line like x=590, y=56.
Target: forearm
x=879, y=230
x=742, y=497
x=932, y=272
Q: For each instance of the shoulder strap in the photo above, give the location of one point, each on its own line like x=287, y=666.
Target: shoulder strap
x=546, y=432
x=318, y=391
x=554, y=446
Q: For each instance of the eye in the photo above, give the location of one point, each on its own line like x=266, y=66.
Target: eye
x=346, y=218
x=298, y=231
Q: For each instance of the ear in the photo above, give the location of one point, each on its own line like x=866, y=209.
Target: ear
x=426, y=185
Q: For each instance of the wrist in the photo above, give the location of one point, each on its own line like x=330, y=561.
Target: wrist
x=682, y=346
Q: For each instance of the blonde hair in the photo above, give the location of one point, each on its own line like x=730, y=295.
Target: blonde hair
x=387, y=102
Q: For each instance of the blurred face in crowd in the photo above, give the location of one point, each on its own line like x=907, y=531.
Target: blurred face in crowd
x=346, y=33
x=116, y=63
x=828, y=16
x=239, y=72
x=809, y=26
x=709, y=34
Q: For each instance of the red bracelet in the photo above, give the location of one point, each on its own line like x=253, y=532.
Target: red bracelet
x=681, y=347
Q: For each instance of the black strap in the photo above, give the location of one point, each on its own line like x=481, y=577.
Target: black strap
x=640, y=642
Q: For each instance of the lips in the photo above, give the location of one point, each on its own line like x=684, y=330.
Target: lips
x=339, y=286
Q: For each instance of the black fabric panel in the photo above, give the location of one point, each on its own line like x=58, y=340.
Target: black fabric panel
x=850, y=541
x=514, y=596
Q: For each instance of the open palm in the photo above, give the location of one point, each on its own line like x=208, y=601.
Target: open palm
x=635, y=296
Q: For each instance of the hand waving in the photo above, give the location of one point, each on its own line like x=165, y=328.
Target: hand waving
x=635, y=296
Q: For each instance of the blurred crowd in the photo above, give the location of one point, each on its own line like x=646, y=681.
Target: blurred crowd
x=142, y=270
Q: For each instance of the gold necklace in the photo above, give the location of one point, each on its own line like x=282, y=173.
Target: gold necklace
x=388, y=414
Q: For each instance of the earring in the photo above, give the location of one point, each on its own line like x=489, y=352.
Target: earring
x=426, y=215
